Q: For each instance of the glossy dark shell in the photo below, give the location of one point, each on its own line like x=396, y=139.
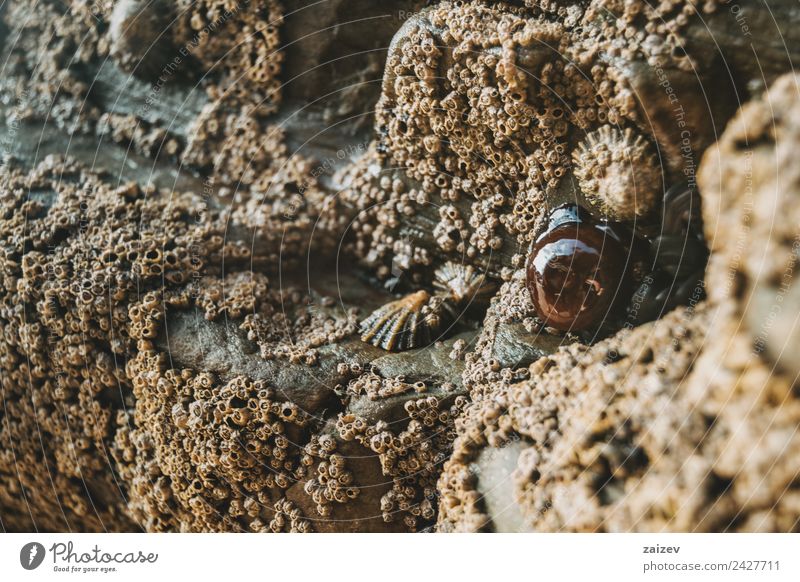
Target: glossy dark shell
x=576, y=272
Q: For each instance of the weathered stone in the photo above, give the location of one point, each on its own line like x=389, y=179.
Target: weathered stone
x=494, y=469
x=140, y=36
x=751, y=190
x=202, y=414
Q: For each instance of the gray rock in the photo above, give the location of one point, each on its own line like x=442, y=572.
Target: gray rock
x=140, y=35
x=494, y=468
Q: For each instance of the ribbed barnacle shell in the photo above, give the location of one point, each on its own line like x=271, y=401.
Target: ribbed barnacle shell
x=411, y=322
x=618, y=173
x=462, y=283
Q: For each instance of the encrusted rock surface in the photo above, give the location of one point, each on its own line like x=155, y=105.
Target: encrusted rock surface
x=144, y=388
x=180, y=294
x=750, y=191
x=688, y=423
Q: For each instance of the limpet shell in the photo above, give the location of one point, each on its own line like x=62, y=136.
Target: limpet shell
x=462, y=283
x=411, y=322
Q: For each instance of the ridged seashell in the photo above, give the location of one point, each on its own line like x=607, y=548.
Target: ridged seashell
x=464, y=284
x=617, y=172
x=576, y=271
x=411, y=322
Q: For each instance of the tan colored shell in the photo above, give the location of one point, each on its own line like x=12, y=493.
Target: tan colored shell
x=463, y=283
x=411, y=322
x=417, y=319
x=617, y=172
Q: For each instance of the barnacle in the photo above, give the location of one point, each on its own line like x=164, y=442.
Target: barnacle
x=411, y=322
x=417, y=319
x=576, y=271
x=463, y=283
x=474, y=121
x=618, y=173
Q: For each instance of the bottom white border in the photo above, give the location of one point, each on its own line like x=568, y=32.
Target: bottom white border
x=353, y=557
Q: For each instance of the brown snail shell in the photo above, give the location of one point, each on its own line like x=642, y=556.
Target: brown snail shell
x=576, y=272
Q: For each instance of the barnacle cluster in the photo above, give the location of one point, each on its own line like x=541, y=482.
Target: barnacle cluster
x=231, y=138
x=201, y=454
x=145, y=138
x=491, y=115
x=76, y=256
x=331, y=481
x=478, y=117
x=377, y=387
x=231, y=48
x=410, y=453
x=289, y=316
x=574, y=425
x=46, y=74
x=239, y=40
x=89, y=273
x=750, y=191
x=288, y=518
x=659, y=427
x=285, y=322
x=54, y=44
x=234, y=296
x=381, y=200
